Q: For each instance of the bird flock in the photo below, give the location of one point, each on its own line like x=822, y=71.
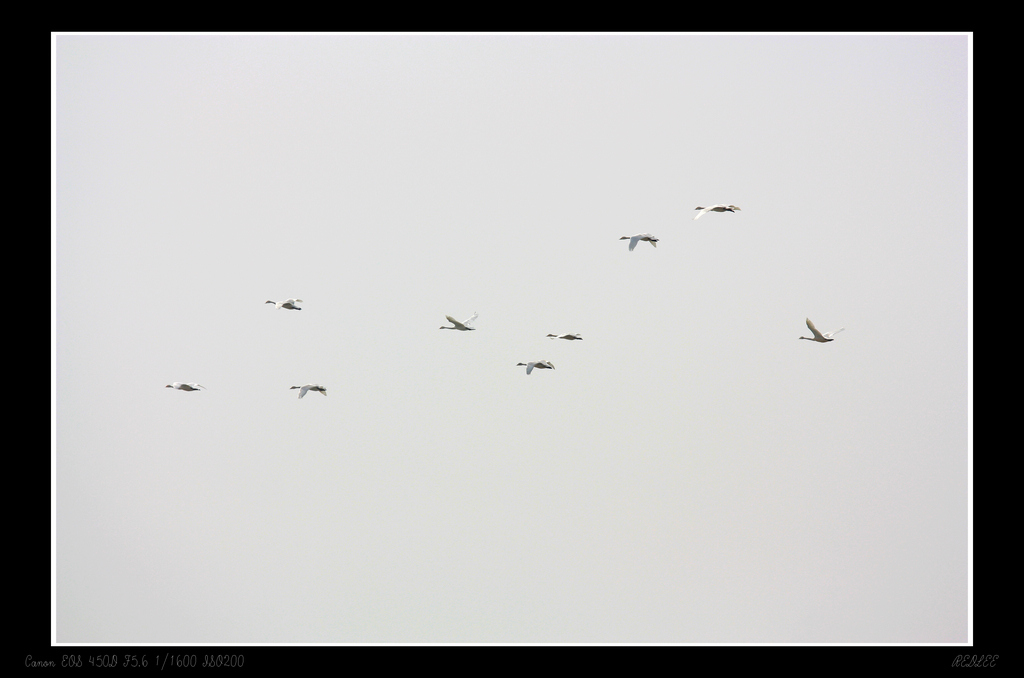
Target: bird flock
x=466, y=325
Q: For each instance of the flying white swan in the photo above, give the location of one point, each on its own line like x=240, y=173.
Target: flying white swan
x=464, y=325
x=716, y=208
x=287, y=303
x=185, y=387
x=570, y=337
x=539, y=364
x=818, y=336
x=634, y=239
x=311, y=387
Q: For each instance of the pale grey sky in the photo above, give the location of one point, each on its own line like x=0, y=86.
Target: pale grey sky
x=690, y=472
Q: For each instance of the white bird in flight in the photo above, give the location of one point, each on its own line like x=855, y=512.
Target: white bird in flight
x=634, y=239
x=570, y=337
x=818, y=336
x=539, y=364
x=287, y=303
x=310, y=387
x=464, y=325
x=181, y=386
x=716, y=208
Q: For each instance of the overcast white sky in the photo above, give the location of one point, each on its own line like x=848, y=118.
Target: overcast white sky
x=690, y=472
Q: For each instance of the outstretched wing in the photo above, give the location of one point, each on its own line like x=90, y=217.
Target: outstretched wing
x=303, y=390
x=467, y=321
x=829, y=335
x=814, y=330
